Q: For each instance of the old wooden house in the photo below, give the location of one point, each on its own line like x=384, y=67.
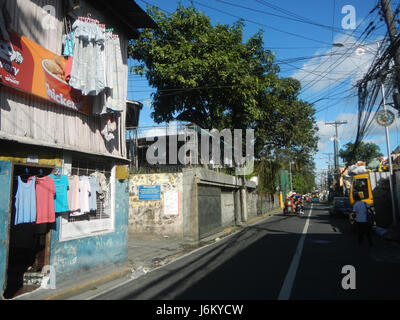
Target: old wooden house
x=63, y=112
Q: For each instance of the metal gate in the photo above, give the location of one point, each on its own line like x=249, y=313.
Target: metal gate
x=209, y=210
x=5, y=189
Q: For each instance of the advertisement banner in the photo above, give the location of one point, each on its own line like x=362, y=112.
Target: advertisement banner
x=28, y=67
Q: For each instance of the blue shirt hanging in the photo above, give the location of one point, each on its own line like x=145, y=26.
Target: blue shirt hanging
x=25, y=202
x=61, y=200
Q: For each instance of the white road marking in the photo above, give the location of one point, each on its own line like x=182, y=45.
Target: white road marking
x=287, y=286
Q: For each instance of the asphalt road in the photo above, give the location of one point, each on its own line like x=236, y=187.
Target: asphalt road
x=283, y=257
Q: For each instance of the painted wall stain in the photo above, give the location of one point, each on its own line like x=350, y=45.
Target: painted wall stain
x=148, y=216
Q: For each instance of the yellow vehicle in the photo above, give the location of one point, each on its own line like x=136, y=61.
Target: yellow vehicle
x=361, y=184
x=315, y=197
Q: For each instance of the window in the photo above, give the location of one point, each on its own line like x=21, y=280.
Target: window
x=102, y=219
x=361, y=185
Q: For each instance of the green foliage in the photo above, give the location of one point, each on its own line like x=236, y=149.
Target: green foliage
x=207, y=75
x=362, y=152
x=267, y=172
x=203, y=74
x=303, y=182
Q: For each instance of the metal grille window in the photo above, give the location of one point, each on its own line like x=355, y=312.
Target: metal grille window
x=100, y=220
x=86, y=168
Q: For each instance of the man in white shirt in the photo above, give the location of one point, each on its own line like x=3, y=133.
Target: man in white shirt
x=363, y=227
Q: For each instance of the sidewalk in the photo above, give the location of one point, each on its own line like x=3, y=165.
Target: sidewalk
x=145, y=252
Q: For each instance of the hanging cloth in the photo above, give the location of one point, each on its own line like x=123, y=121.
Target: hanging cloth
x=25, y=202
x=87, y=71
x=45, y=193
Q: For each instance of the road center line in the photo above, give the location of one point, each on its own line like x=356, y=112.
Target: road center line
x=287, y=286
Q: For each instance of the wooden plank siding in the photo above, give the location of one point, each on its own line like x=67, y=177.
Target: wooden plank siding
x=29, y=119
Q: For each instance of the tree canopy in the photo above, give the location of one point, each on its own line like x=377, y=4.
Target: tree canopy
x=209, y=76
x=363, y=152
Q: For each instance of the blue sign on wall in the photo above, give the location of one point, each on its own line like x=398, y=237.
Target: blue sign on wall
x=150, y=192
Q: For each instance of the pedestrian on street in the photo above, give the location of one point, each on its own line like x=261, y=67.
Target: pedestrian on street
x=363, y=226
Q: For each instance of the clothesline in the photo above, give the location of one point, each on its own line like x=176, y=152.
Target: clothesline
x=89, y=170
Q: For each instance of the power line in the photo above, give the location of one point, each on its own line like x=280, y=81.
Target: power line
x=261, y=24
x=283, y=17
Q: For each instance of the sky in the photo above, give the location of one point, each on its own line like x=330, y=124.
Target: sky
x=301, y=33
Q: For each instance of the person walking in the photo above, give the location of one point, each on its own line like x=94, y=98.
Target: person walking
x=363, y=225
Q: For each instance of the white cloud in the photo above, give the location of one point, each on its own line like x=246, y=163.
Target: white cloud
x=351, y=61
x=347, y=132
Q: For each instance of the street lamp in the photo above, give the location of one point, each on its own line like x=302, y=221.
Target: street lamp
x=392, y=195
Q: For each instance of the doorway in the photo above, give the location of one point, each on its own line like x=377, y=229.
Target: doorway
x=29, y=243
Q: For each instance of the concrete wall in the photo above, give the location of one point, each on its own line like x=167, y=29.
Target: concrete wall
x=252, y=199
x=195, y=186
x=148, y=216
x=227, y=207
x=74, y=257
x=5, y=183
x=192, y=178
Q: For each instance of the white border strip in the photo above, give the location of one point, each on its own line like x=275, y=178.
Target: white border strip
x=287, y=286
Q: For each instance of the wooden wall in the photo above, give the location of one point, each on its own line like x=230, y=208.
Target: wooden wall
x=29, y=119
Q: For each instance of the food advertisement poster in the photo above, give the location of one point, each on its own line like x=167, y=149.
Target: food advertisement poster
x=28, y=67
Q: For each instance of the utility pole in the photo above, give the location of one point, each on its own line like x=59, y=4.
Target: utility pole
x=329, y=161
x=329, y=169
x=336, y=142
x=387, y=13
x=336, y=150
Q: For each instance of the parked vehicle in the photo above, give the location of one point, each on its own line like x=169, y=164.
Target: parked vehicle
x=361, y=184
x=373, y=189
x=340, y=206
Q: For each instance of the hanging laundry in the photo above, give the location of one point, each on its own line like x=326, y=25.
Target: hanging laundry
x=61, y=200
x=85, y=190
x=113, y=97
x=45, y=193
x=93, y=193
x=73, y=194
x=87, y=72
x=68, y=44
x=110, y=128
x=101, y=183
x=25, y=202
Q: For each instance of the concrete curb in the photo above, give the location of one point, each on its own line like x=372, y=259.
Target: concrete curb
x=264, y=216
x=69, y=292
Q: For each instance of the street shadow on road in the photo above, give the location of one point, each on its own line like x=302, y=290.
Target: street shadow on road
x=252, y=264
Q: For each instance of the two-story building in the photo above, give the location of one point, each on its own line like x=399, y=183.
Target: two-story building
x=63, y=87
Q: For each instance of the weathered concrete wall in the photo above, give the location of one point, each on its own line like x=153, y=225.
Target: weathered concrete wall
x=252, y=198
x=227, y=207
x=192, y=178
x=267, y=202
x=148, y=216
x=5, y=185
x=75, y=257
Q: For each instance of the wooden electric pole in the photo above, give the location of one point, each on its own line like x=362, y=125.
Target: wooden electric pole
x=387, y=13
x=336, y=153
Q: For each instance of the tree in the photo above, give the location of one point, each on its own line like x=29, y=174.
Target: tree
x=207, y=75
x=203, y=74
x=362, y=152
